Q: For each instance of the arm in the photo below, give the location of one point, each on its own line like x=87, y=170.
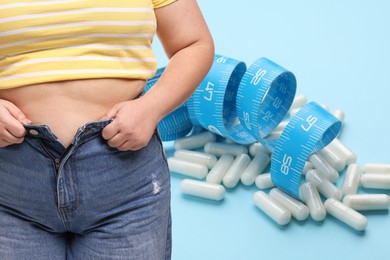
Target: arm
x=189, y=45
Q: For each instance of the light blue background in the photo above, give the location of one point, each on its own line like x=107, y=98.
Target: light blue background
x=340, y=54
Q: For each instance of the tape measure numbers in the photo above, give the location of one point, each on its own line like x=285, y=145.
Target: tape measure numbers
x=213, y=104
x=264, y=97
x=310, y=130
x=246, y=106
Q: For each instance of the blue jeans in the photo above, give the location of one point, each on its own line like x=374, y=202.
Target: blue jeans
x=87, y=201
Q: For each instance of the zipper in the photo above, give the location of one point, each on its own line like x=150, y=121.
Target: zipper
x=56, y=160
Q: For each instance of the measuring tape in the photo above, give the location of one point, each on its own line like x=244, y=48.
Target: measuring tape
x=311, y=129
x=177, y=123
x=246, y=105
x=264, y=97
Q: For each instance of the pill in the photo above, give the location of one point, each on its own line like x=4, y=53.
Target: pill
x=312, y=199
x=351, y=180
x=308, y=166
x=194, y=141
x=195, y=170
x=228, y=141
x=264, y=181
x=323, y=185
x=219, y=170
x=293, y=112
x=298, y=102
x=376, y=180
x=367, y=201
x=326, y=107
x=282, y=125
x=233, y=174
x=343, y=151
x=272, y=208
x=297, y=209
x=323, y=166
x=255, y=148
x=202, y=189
x=339, y=114
x=220, y=148
x=274, y=135
x=255, y=167
x=345, y=214
x=376, y=168
x=329, y=154
x=197, y=157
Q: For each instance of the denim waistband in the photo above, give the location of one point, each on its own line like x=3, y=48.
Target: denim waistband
x=88, y=130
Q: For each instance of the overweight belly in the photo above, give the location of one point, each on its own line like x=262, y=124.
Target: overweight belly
x=65, y=106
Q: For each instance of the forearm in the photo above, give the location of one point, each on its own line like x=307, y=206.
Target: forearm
x=183, y=74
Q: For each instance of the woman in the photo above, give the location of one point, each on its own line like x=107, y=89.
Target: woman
x=82, y=170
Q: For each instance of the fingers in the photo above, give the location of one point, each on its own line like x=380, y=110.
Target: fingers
x=17, y=113
x=124, y=141
x=110, y=130
x=7, y=139
x=11, y=128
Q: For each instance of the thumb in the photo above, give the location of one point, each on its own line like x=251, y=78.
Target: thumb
x=112, y=112
x=17, y=114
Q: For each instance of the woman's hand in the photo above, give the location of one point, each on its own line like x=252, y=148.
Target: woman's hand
x=134, y=123
x=11, y=124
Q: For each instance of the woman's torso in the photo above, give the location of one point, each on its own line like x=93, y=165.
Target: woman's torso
x=66, y=105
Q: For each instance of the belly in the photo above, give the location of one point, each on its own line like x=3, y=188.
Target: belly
x=67, y=105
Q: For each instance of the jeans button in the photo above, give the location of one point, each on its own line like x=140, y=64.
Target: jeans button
x=34, y=132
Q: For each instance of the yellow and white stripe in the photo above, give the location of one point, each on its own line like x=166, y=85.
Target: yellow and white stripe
x=47, y=41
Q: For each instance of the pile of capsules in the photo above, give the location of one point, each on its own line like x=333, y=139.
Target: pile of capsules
x=224, y=164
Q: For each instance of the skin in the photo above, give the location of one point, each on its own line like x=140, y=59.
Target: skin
x=65, y=106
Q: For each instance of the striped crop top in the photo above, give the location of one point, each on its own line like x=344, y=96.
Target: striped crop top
x=54, y=40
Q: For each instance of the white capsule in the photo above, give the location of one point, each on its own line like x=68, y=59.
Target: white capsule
x=376, y=181
x=255, y=167
x=323, y=185
x=367, y=201
x=274, y=135
x=326, y=107
x=293, y=112
x=264, y=181
x=282, y=125
x=343, y=151
x=272, y=208
x=228, y=141
x=298, y=210
x=308, y=166
x=220, y=148
x=191, y=169
x=220, y=168
x=329, y=154
x=346, y=214
x=351, y=180
x=197, y=157
x=339, y=114
x=194, y=141
x=255, y=148
x=202, y=189
x=323, y=166
x=376, y=168
x=312, y=199
x=298, y=102
x=233, y=175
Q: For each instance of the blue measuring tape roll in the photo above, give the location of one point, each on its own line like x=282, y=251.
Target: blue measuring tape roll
x=264, y=97
x=177, y=123
x=213, y=104
x=246, y=106
x=311, y=129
